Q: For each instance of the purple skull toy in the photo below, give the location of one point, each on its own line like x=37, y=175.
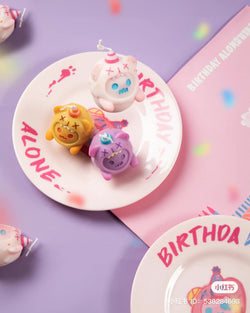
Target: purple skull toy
x=112, y=152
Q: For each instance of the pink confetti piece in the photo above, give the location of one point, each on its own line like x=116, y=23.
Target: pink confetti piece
x=115, y=6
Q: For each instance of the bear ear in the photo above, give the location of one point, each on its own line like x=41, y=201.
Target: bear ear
x=122, y=135
x=132, y=60
x=93, y=151
x=58, y=108
x=87, y=126
x=96, y=71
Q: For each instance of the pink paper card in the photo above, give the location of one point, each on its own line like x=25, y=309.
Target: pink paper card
x=211, y=174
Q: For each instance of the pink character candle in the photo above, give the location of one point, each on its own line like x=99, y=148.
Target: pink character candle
x=7, y=21
x=12, y=243
x=114, y=82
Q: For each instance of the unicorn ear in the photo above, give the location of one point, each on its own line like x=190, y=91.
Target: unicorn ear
x=132, y=61
x=87, y=125
x=96, y=71
x=122, y=135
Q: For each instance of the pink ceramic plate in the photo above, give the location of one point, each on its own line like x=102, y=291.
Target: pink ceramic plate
x=199, y=266
x=154, y=127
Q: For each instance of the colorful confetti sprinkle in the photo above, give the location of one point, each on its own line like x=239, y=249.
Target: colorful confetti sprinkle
x=9, y=68
x=228, y=98
x=202, y=149
x=246, y=119
x=233, y=194
x=5, y=210
x=115, y=6
x=225, y=307
x=202, y=31
x=136, y=242
x=76, y=199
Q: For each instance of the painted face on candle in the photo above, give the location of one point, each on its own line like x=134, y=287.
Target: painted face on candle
x=116, y=160
x=114, y=82
x=64, y=134
x=112, y=152
x=120, y=86
x=71, y=126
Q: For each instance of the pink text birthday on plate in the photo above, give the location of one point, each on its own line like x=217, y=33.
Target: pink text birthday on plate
x=160, y=107
x=196, y=236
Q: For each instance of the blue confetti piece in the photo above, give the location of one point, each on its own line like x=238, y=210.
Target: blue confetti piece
x=136, y=242
x=224, y=306
x=228, y=98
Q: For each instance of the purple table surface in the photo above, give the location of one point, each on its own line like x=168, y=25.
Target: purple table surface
x=85, y=261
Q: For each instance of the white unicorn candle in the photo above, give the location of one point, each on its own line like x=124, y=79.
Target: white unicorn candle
x=7, y=21
x=12, y=243
x=114, y=81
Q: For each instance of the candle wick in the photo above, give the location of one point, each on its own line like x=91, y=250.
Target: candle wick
x=21, y=18
x=101, y=47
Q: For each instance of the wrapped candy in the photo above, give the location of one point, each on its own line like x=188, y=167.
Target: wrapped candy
x=7, y=21
x=114, y=82
x=12, y=243
x=71, y=126
x=112, y=152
